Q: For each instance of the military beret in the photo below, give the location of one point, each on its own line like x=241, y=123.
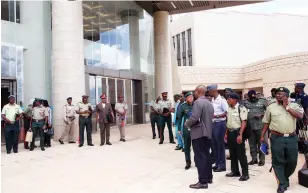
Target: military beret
x=212, y=87
x=228, y=89
x=300, y=84
x=252, y=93
x=11, y=96
x=188, y=94
x=234, y=96
x=283, y=89
x=68, y=98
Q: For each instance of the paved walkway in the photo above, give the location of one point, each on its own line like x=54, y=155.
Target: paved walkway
x=139, y=165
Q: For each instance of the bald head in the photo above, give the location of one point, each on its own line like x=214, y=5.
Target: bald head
x=200, y=91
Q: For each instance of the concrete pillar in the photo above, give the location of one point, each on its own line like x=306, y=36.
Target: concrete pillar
x=68, y=70
x=131, y=17
x=162, y=53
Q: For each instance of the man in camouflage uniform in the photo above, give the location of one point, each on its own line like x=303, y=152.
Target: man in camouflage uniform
x=272, y=98
x=302, y=99
x=256, y=109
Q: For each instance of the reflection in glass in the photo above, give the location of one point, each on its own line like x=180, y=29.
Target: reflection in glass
x=92, y=87
x=120, y=88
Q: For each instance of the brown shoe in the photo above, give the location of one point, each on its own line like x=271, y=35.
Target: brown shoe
x=199, y=186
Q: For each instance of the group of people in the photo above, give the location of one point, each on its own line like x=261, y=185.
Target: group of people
x=208, y=120
x=37, y=118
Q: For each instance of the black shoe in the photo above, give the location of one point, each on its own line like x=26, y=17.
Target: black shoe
x=27, y=147
x=15, y=151
x=220, y=170
x=91, y=144
x=8, y=152
x=31, y=148
x=108, y=143
x=80, y=145
x=172, y=142
x=178, y=148
x=102, y=144
x=244, y=178
x=237, y=174
x=160, y=143
x=253, y=162
x=188, y=165
x=281, y=190
x=215, y=167
x=228, y=158
x=72, y=142
x=42, y=148
x=182, y=149
x=123, y=140
x=210, y=181
x=154, y=137
x=261, y=163
x=61, y=142
x=199, y=186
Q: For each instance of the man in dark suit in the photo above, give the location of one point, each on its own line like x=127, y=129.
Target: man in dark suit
x=200, y=126
x=104, y=117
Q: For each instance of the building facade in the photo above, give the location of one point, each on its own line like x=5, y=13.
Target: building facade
x=241, y=50
x=56, y=49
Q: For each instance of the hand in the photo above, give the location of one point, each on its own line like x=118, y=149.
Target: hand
x=180, y=132
x=8, y=121
x=285, y=102
x=239, y=139
x=262, y=139
x=226, y=138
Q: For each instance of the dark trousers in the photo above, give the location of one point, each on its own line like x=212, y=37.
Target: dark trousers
x=218, y=143
x=26, y=126
x=201, y=147
x=104, y=132
x=11, y=133
x=284, y=158
x=187, y=144
x=237, y=153
x=163, y=121
x=85, y=123
x=37, y=127
x=154, y=120
x=47, y=139
x=255, y=144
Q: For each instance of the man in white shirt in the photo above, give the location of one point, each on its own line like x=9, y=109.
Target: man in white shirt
x=121, y=109
x=219, y=128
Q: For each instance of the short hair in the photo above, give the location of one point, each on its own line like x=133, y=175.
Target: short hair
x=273, y=89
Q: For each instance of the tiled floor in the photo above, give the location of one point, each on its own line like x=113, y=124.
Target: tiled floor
x=139, y=166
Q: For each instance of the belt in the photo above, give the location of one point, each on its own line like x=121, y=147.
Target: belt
x=231, y=130
x=81, y=116
x=283, y=135
x=38, y=120
x=70, y=117
x=217, y=121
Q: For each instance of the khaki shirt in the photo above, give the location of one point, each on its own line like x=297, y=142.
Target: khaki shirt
x=155, y=105
x=10, y=111
x=121, y=107
x=28, y=111
x=233, y=117
x=165, y=104
x=69, y=111
x=39, y=113
x=279, y=119
x=83, y=107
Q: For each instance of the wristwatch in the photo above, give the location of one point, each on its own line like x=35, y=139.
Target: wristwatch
x=217, y=116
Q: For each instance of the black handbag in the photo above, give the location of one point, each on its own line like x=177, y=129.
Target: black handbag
x=109, y=118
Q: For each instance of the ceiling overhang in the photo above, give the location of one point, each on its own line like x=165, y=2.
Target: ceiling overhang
x=177, y=7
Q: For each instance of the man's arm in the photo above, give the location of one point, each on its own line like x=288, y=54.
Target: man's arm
x=196, y=114
x=3, y=115
x=64, y=113
x=264, y=130
x=225, y=107
x=111, y=111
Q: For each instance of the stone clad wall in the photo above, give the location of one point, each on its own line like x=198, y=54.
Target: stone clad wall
x=273, y=72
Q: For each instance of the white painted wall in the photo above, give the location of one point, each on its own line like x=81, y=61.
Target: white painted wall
x=236, y=39
x=34, y=34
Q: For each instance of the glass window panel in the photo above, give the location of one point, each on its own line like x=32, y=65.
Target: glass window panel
x=111, y=91
x=120, y=88
x=12, y=56
x=5, y=61
x=92, y=89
